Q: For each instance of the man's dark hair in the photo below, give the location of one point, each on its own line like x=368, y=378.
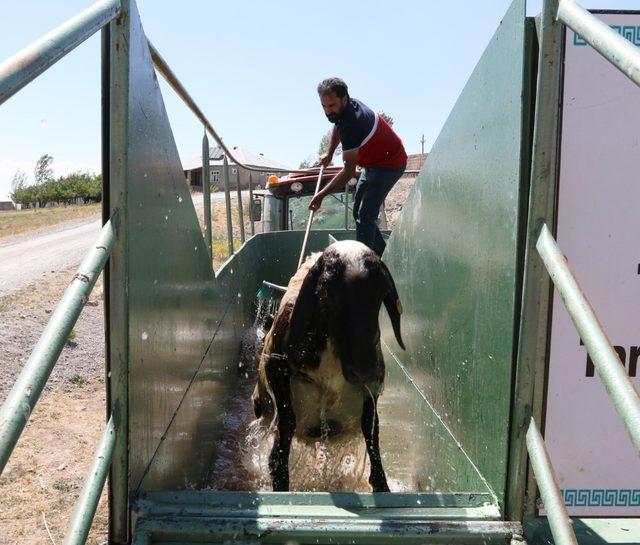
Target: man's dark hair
x=333, y=85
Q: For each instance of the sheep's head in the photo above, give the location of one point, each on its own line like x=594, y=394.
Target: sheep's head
x=342, y=295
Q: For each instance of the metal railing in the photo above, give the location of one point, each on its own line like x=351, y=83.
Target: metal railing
x=87, y=503
x=15, y=73
x=549, y=490
x=617, y=50
x=614, y=377
x=26, y=65
x=605, y=359
x=24, y=394
x=626, y=57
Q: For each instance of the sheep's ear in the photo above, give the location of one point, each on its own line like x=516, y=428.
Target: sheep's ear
x=392, y=304
x=305, y=305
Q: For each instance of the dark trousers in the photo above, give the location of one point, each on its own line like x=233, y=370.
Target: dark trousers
x=373, y=186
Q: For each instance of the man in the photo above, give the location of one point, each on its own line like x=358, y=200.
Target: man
x=368, y=141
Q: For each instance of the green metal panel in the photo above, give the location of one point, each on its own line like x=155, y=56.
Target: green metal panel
x=164, y=311
x=454, y=258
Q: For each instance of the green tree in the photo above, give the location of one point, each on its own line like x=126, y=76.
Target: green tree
x=324, y=143
x=306, y=162
x=387, y=118
x=43, y=171
x=18, y=184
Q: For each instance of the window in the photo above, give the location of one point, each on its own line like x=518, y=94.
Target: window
x=215, y=176
x=329, y=216
x=234, y=171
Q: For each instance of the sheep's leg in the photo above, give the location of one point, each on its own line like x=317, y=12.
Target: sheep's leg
x=279, y=380
x=377, y=478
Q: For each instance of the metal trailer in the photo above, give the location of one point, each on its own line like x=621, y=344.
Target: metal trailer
x=470, y=257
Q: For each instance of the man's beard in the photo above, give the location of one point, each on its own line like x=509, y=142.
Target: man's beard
x=333, y=117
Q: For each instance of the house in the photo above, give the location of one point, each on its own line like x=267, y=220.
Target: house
x=193, y=168
x=414, y=162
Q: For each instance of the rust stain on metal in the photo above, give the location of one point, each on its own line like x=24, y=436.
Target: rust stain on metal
x=82, y=278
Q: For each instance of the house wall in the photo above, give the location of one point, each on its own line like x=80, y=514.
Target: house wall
x=259, y=179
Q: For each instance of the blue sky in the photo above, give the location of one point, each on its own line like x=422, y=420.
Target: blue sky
x=253, y=68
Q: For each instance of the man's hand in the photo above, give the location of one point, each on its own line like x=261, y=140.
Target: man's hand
x=316, y=202
x=325, y=160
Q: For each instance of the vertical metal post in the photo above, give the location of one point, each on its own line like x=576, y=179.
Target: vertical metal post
x=206, y=192
x=536, y=299
x=240, y=213
x=118, y=288
x=227, y=200
x=346, y=206
x=253, y=227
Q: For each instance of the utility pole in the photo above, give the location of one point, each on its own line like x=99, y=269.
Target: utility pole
x=422, y=141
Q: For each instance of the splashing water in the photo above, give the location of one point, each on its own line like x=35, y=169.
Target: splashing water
x=242, y=461
x=332, y=464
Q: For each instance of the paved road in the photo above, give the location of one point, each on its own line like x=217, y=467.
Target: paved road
x=27, y=258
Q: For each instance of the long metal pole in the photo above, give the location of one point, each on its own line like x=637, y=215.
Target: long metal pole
x=253, y=227
x=227, y=200
x=240, y=212
x=617, y=50
x=346, y=207
x=118, y=291
x=24, y=395
x=26, y=65
x=92, y=489
x=549, y=490
x=605, y=359
x=173, y=81
x=310, y=220
x=536, y=290
x=206, y=193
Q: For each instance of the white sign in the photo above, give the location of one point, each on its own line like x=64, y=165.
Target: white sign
x=599, y=232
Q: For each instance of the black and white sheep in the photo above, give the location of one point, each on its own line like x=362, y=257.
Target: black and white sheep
x=322, y=364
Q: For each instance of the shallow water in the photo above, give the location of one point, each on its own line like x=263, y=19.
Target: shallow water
x=243, y=452
x=334, y=465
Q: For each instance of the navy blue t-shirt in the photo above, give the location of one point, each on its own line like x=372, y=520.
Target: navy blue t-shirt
x=362, y=129
x=355, y=125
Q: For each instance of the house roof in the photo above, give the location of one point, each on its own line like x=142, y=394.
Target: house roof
x=245, y=156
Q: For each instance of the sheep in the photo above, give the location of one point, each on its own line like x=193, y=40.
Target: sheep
x=321, y=369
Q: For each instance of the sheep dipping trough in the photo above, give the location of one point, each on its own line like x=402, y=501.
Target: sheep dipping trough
x=191, y=449
x=459, y=448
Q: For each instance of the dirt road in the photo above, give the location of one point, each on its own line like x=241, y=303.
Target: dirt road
x=26, y=258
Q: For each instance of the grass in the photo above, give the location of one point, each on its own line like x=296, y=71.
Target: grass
x=220, y=248
x=47, y=468
x=14, y=222
x=78, y=380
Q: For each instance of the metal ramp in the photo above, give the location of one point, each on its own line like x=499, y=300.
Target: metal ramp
x=239, y=517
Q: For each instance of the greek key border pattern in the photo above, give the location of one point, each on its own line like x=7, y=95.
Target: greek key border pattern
x=630, y=32
x=601, y=497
